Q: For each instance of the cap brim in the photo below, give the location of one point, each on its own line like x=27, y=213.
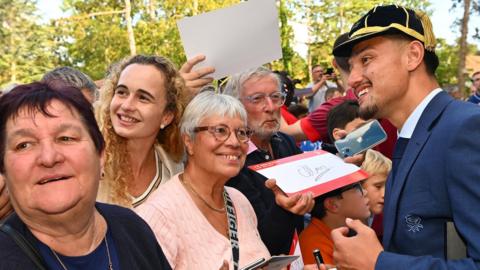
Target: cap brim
x=345, y=49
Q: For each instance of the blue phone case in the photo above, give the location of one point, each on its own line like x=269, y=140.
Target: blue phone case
x=365, y=137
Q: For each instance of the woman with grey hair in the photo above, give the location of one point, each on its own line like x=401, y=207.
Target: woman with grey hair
x=212, y=225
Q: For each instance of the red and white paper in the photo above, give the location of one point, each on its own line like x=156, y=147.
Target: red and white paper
x=318, y=172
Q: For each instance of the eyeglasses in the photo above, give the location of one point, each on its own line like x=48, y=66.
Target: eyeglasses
x=356, y=186
x=222, y=132
x=277, y=99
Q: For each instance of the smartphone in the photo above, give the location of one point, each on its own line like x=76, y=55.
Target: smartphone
x=365, y=137
x=274, y=263
x=254, y=265
x=280, y=261
x=329, y=71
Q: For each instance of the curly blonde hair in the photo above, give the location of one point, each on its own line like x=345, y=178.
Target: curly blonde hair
x=117, y=170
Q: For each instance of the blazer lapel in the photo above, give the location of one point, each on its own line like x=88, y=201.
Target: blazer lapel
x=419, y=137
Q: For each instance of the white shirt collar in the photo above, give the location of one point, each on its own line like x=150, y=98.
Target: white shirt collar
x=409, y=125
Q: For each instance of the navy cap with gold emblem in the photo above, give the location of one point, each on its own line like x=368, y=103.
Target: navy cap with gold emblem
x=391, y=19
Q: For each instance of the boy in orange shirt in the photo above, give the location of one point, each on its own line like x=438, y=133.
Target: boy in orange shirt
x=332, y=208
x=329, y=212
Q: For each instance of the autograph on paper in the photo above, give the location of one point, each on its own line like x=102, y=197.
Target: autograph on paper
x=311, y=171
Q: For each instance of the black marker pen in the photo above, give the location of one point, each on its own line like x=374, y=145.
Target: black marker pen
x=318, y=257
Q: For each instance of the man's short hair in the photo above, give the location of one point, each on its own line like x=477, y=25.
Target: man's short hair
x=72, y=77
x=234, y=86
x=315, y=66
x=475, y=73
x=342, y=114
x=342, y=61
x=429, y=58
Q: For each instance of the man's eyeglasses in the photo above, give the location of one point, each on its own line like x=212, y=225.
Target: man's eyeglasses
x=222, y=132
x=277, y=99
x=356, y=186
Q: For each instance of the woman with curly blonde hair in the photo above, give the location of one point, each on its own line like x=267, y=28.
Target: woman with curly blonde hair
x=139, y=111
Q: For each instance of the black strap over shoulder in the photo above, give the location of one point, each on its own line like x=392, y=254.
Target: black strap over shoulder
x=25, y=245
x=232, y=229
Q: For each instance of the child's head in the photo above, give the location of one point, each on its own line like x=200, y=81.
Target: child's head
x=332, y=92
x=298, y=110
x=343, y=118
x=377, y=166
x=349, y=201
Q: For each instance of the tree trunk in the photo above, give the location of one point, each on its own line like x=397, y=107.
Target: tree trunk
x=308, y=7
x=463, y=47
x=131, y=36
x=195, y=7
x=151, y=9
x=93, y=14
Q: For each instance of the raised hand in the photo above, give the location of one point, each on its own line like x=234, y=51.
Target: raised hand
x=196, y=79
x=298, y=204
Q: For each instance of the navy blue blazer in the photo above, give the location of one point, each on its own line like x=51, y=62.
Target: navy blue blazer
x=437, y=181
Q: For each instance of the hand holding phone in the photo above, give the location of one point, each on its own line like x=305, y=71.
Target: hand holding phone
x=365, y=137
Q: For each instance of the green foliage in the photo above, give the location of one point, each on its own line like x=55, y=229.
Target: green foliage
x=25, y=47
x=94, y=34
x=448, y=55
x=94, y=42
x=286, y=36
x=327, y=19
x=91, y=43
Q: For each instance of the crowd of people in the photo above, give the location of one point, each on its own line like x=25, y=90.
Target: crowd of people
x=151, y=169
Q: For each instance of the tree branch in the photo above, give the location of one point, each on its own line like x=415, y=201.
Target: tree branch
x=93, y=14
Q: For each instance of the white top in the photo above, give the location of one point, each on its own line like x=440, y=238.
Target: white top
x=136, y=201
x=412, y=120
x=165, y=169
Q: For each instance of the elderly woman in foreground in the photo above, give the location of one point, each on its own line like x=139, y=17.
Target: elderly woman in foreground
x=199, y=222
x=50, y=154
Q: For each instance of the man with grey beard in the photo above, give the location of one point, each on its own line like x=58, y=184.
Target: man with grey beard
x=278, y=216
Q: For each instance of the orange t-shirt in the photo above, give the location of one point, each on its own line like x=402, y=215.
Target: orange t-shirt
x=316, y=236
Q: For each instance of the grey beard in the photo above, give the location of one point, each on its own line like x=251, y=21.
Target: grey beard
x=263, y=134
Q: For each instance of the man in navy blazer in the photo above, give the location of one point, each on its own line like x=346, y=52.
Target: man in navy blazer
x=436, y=180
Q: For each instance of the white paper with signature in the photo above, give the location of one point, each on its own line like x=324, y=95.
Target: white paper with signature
x=316, y=171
